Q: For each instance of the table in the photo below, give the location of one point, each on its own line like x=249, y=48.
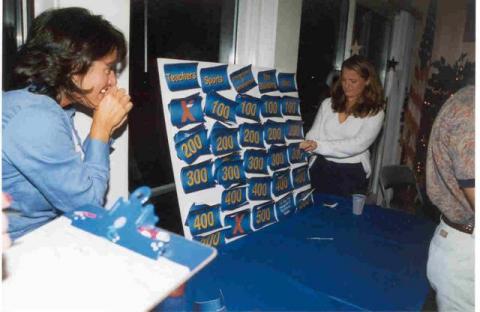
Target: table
x=375, y=261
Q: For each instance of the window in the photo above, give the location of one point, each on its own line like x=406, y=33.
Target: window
x=330, y=31
x=17, y=16
x=371, y=32
x=184, y=29
x=322, y=42
x=200, y=30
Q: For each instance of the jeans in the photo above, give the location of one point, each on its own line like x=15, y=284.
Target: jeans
x=451, y=268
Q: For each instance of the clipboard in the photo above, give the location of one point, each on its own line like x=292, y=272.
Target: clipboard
x=71, y=262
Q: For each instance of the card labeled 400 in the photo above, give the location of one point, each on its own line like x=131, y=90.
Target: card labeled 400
x=259, y=188
x=296, y=155
x=300, y=176
x=281, y=182
x=234, y=198
x=203, y=218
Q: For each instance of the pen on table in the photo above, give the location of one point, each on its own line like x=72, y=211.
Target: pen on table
x=330, y=205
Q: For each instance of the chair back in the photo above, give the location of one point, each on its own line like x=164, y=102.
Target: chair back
x=397, y=176
x=391, y=176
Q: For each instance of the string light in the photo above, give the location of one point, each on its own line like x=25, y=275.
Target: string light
x=444, y=81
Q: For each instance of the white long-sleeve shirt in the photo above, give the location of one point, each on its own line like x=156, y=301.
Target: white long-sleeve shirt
x=345, y=142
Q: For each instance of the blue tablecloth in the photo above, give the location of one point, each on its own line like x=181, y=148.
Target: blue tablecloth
x=375, y=261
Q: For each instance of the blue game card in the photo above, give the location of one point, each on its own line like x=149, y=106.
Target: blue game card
x=251, y=135
x=185, y=111
x=223, y=140
x=290, y=106
x=267, y=81
x=214, y=78
x=242, y=79
x=263, y=215
x=255, y=161
x=272, y=106
x=234, y=198
x=296, y=154
x=248, y=107
x=286, y=82
x=203, y=218
x=197, y=177
x=285, y=206
x=281, y=182
x=274, y=132
x=220, y=108
x=294, y=130
x=191, y=144
x=277, y=157
x=300, y=176
x=239, y=224
x=181, y=76
x=229, y=170
x=259, y=188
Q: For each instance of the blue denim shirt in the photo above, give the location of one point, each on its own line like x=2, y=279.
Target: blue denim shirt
x=43, y=168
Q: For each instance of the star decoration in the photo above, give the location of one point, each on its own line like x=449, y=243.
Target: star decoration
x=391, y=64
x=355, y=49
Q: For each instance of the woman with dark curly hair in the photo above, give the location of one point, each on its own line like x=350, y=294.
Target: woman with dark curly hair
x=344, y=128
x=70, y=56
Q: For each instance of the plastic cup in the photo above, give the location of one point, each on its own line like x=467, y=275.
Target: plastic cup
x=213, y=303
x=358, y=201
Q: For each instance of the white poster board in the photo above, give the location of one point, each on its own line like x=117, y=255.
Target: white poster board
x=233, y=134
x=59, y=267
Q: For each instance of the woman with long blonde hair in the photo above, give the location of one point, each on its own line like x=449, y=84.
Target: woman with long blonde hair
x=345, y=127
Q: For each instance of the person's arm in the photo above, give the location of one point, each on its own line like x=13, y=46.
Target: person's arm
x=38, y=141
x=310, y=142
x=110, y=114
x=355, y=145
x=470, y=194
x=6, y=240
x=312, y=134
x=461, y=140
